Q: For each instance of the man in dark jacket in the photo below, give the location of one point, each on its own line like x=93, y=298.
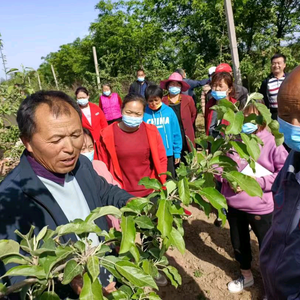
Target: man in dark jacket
x=241, y=93
x=280, y=251
x=270, y=86
x=52, y=184
x=140, y=85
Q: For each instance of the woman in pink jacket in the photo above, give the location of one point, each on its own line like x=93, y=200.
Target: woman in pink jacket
x=244, y=210
x=111, y=104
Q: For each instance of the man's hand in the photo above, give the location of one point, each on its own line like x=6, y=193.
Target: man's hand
x=177, y=161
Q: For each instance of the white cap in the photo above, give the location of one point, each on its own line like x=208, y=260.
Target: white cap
x=211, y=70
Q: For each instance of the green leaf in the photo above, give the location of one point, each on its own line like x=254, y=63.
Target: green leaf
x=264, y=111
x=177, y=240
x=246, y=183
x=79, y=245
x=212, y=195
x=224, y=102
x=174, y=272
x=137, y=204
x=252, y=146
x=171, y=186
x=91, y=291
x=165, y=218
x=109, y=263
x=15, y=258
x=49, y=296
x=181, y=171
x=203, y=204
x=3, y=288
x=235, y=120
x=77, y=228
x=184, y=191
x=150, y=183
x=93, y=267
x=33, y=271
x=135, y=275
x=241, y=149
x=144, y=222
x=222, y=160
x=8, y=247
x=149, y=268
x=170, y=276
x=129, y=234
x=103, y=211
x=176, y=209
x=153, y=296
x=26, y=236
x=215, y=146
x=42, y=233
x=71, y=270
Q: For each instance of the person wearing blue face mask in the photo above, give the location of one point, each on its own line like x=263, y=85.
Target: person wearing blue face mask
x=280, y=253
x=244, y=210
x=221, y=88
x=183, y=106
x=93, y=117
x=140, y=85
x=133, y=149
x=111, y=104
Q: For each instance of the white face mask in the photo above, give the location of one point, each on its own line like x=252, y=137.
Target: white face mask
x=83, y=102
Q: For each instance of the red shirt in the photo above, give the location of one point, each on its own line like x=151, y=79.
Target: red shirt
x=133, y=152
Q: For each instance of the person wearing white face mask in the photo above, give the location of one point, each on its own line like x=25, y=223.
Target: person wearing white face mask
x=133, y=149
x=111, y=104
x=221, y=88
x=183, y=106
x=140, y=85
x=93, y=117
x=101, y=169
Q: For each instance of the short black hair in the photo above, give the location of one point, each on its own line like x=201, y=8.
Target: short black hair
x=140, y=70
x=88, y=133
x=180, y=71
x=58, y=102
x=153, y=91
x=278, y=55
x=81, y=89
x=134, y=97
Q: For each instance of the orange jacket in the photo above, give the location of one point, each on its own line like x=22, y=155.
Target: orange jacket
x=108, y=153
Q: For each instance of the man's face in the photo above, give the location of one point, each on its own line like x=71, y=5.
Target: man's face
x=57, y=142
x=278, y=65
x=140, y=74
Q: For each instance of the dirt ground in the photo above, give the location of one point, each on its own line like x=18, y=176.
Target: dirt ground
x=208, y=263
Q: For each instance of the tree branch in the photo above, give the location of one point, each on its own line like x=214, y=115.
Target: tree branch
x=18, y=286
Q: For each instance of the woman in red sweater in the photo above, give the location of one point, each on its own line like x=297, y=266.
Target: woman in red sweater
x=222, y=88
x=183, y=106
x=132, y=149
x=93, y=117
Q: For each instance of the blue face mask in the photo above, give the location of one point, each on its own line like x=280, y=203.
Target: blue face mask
x=83, y=102
x=89, y=155
x=132, y=121
x=174, y=90
x=107, y=93
x=291, y=134
x=218, y=95
x=141, y=79
x=249, y=128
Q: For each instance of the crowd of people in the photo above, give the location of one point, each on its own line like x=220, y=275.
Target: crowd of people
x=146, y=134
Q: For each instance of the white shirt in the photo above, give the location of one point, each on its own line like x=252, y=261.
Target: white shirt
x=71, y=200
x=87, y=112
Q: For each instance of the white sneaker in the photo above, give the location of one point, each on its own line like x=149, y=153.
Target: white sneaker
x=236, y=286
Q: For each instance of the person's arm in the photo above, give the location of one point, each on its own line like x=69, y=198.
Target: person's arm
x=279, y=157
x=100, y=103
x=162, y=155
x=177, y=138
x=193, y=109
x=103, y=122
x=264, y=90
x=196, y=83
x=120, y=100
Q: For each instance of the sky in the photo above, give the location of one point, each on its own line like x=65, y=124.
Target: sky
x=31, y=29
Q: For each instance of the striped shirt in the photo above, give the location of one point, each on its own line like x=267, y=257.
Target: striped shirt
x=273, y=88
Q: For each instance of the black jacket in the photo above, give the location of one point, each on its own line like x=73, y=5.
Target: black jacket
x=241, y=95
x=135, y=87
x=24, y=200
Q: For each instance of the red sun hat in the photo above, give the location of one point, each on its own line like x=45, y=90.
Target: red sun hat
x=223, y=68
x=175, y=77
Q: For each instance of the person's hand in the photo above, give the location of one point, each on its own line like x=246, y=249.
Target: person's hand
x=177, y=161
x=206, y=88
x=76, y=284
x=109, y=289
x=238, y=189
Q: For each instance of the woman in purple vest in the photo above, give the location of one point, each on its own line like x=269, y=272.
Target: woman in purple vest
x=111, y=104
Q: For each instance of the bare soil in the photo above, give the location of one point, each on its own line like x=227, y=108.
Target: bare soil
x=208, y=263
